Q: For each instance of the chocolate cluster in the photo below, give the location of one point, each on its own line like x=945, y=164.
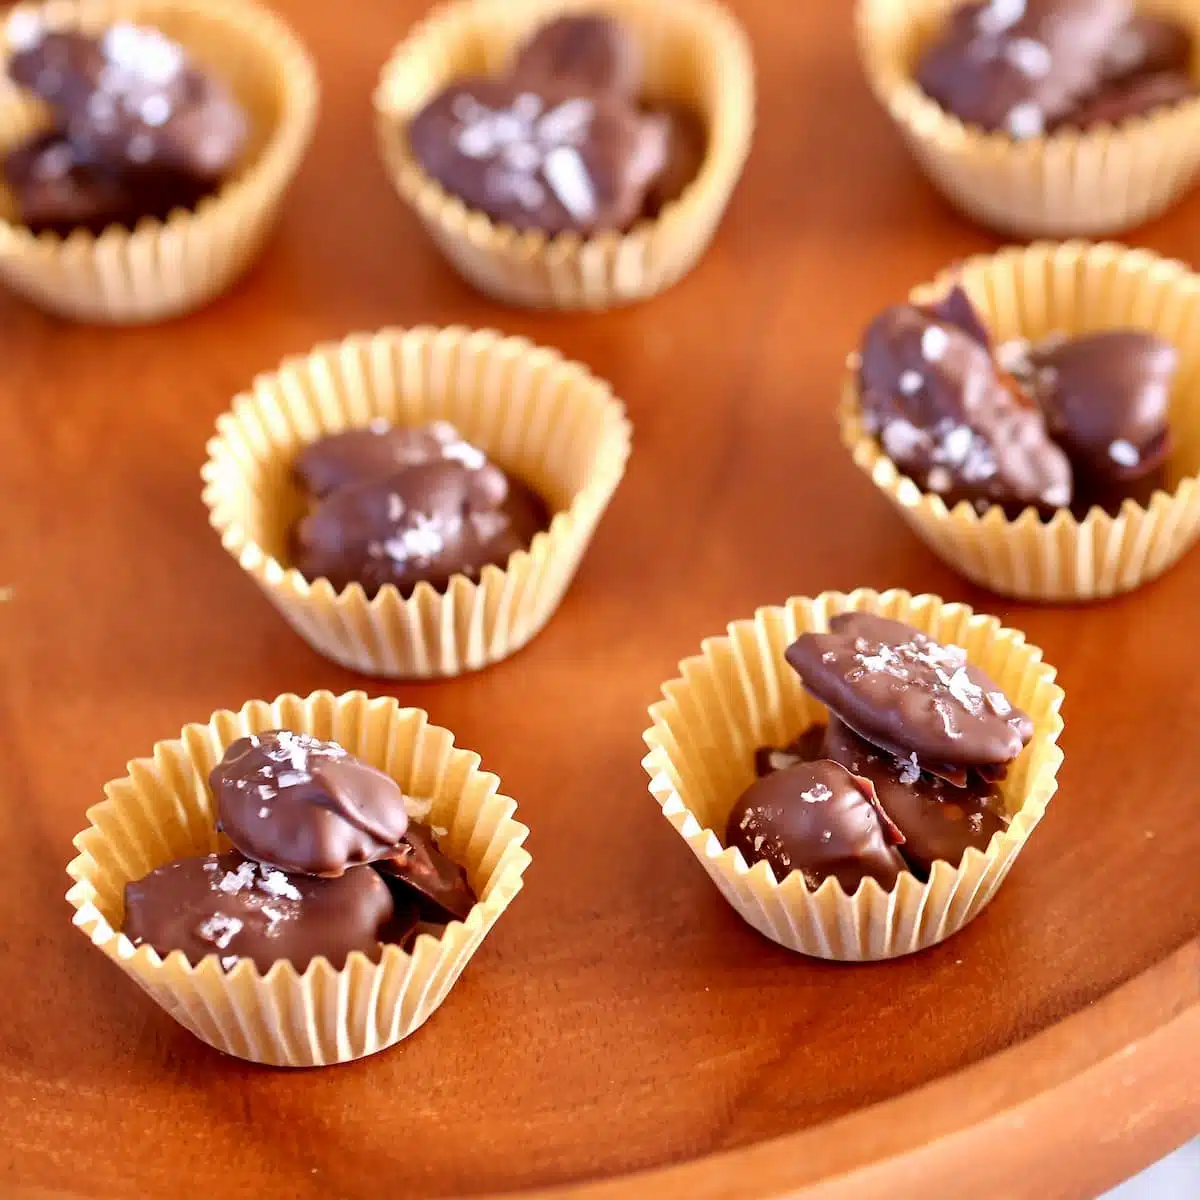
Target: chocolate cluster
x=138, y=129
x=904, y=774
x=390, y=505
x=329, y=857
x=560, y=143
x=1062, y=423
x=1031, y=67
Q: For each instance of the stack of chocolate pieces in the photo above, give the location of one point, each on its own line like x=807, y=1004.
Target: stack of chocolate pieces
x=560, y=142
x=394, y=505
x=139, y=130
x=1068, y=422
x=328, y=858
x=1031, y=67
x=904, y=774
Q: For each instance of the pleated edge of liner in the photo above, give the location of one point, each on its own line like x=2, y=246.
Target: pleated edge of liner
x=707, y=844
x=508, y=872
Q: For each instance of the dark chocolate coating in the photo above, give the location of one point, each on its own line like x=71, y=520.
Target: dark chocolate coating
x=548, y=159
x=805, y=748
x=818, y=819
x=419, y=873
x=938, y=820
x=358, y=455
x=228, y=905
x=131, y=100
x=946, y=416
x=1020, y=65
x=1146, y=45
x=687, y=144
x=1126, y=98
x=306, y=805
x=429, y=520
x=908, y=694
x=57, y=193
x=587, y=52
x=1107, y=400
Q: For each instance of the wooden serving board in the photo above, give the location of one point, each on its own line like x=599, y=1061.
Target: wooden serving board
x=621, y=1019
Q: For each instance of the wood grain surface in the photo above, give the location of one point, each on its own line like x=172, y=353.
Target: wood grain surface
x=621, y=1018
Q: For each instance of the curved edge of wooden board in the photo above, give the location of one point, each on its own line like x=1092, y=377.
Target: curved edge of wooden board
x=1117, y=1084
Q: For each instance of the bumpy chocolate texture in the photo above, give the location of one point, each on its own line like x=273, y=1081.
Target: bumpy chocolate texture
x=911, y=696
x=1028, y=67
x=938, y=820
x=131, y=100
x=305, y=805
x=546, y=159
x=402, y=506
x=932, y=394
x=228, y=905
x=57, y=193
x=818, y=819
x=1020, y=65
x=1106, y=397
x=420, y=873
x=588, y=52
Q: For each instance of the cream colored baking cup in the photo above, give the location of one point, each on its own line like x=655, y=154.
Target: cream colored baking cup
x=162, y=810
x=162, y=269
x=739, y=694
x=1072, y=288
x=696, y=54
x=548, y=421
x=1068, y=184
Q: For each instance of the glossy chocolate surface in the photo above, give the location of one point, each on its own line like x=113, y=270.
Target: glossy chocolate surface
x=231, y=906
x=1146, y=45
x=804, y=748
x=57, y=192
x=1107, y=399
x=132, y=100
x=584, y=52
x=1018, y=66
x=306, y=805
x=818, y=819
x=420, y=874
x=139, y=130
x=937, y=819
x=548, y=159
x=380, y=448
x=932, y=394
x=1125, y=98
x=1029, y=67
x=909, y=694
x=399, y=506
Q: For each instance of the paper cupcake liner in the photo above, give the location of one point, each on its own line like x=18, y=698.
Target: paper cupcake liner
x=696, y=53
x=739, y=693
x=546, y=420
x=1073, y=287
x=1068, y=184
x=162, y=269
x=163, y=810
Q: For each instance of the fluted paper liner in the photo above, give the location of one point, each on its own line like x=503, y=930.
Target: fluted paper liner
x=739, y=693
x=1073, y=288
x=163, y=810
x=696, y=53
x=546, y=420
x=1069, y=184
x=162, y=269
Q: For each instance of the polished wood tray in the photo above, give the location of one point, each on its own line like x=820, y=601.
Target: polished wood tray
x=621, y=1019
